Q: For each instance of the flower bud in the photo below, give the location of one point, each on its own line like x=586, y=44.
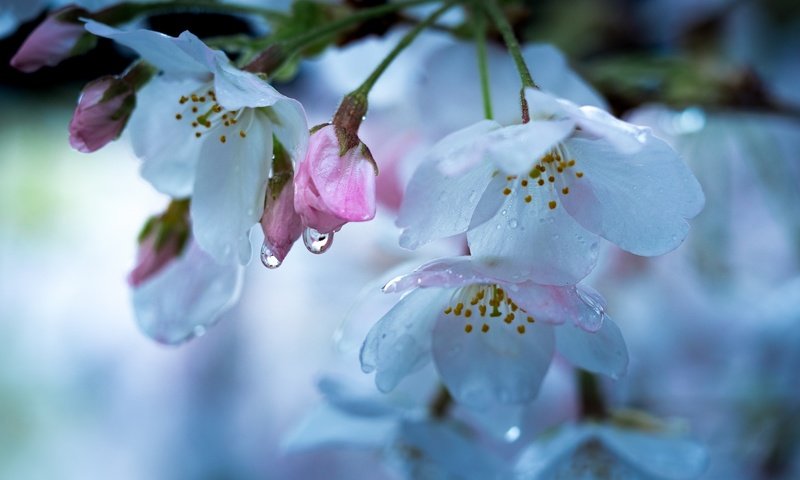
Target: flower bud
x=60, y=36
x=281, y=224
x=336, y=182
x=102, y=112
x=162, y=239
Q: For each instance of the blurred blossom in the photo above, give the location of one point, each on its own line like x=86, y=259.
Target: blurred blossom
x=102, y=112
x=604, y=450
x=58, y=37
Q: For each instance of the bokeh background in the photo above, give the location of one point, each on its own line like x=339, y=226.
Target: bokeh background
x=712, y=327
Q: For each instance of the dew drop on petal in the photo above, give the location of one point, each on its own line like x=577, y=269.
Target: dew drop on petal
x=511, y=434
x=512, y=222
x=268, y=258
x=317, y=242
x=199, y=331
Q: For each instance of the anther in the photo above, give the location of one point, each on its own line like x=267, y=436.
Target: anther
x=540, y=182
x=571, y=163
x=506, y=191
x=242, y=133
x=521, y=329
x=579, y=174
x=551, y=179
x=468, y=328
x=183, y=100
x=222, y=138
x=468, y=313
x=565, y=190
x=524, y=182
x=447, y=310
x=194, y=109
x=178, y=116
x=485, y=328
x=530, y=319
x=528, y=199
x=552, y=204
x=197, y=134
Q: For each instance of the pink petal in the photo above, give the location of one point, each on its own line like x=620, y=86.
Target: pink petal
x=51, y=42
x=98, y=120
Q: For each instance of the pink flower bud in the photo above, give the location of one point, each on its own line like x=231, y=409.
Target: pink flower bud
x=336, y=182
x=102, y=112
x=54, y=40
x=151, y=259
x=281, y=224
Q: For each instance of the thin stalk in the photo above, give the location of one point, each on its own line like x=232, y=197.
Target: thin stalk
x=592, y=403
x=441, y=403
x=404, y=42
x=483, y=67
x=273, y=55
x=507, y=32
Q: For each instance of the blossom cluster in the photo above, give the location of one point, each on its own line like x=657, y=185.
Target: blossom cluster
x=528, y=198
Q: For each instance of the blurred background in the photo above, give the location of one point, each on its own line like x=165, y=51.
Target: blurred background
x=711, y=327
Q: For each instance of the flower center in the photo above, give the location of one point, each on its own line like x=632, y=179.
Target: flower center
x=487, y=305
x=200, y=107
x=544, y=173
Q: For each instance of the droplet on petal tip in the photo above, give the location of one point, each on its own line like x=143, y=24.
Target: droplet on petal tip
x=268, y=258
x=317, y=242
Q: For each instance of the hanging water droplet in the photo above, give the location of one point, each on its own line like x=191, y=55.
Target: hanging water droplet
x=268, y=258
x=317, y=242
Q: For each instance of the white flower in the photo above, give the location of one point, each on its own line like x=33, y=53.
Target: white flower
x=186, y=297
x=538, y=194
x=491, y=340
x=205, y=128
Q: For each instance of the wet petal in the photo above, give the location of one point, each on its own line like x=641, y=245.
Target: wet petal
x=186, y=297
x=640, y=201
x=164, y=52
x=491, y=361
x=536, y=242
x=444, y=273
x=603, y=351
x=327, y=427
x=662, y=456
x=236, y=88
x=437, y=206
x=167, y=146
x=462, y=150
x=625, y=137
x=557, y=305
x=230, y=187
x=290, y=127
x=400, y=343
x=516, y=148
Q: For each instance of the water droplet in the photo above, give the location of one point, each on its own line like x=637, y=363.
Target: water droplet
x=199, y=331
x=512, y=222
x=268, y=258
x=472, y=196
x=511, y=434
x=250, y=211
x=317, y=242
x=504, y=212
x=498, y=226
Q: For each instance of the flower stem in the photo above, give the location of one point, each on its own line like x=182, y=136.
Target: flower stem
x=441, y=403
x=507, y=32
x=404, y=42
x=275, y=54
x=483, y=68
x=592, y=403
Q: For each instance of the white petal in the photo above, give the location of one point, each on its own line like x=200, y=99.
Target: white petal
x=446, y=451
x=164, y=52
x=603, y=351
x=343, y=396
x=230, y=187
x=544, y=106
x=237, y=89
x=557, y=305
x=625, y=137
x=290, y=126
x=462, y=150
x=541, y=458
x=539, y=243
x=515, y=149
x=500, y=365
x=328, y=427
x=166, y=145
x=187, y=297
x=444, y=273
x=662, y=456
x=640, y=202
x=436, y=206
x=400, y=343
